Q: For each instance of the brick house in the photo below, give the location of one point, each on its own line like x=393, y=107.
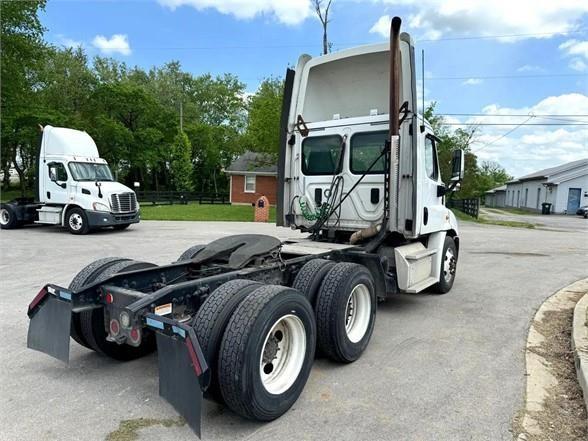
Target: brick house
x=252, y=175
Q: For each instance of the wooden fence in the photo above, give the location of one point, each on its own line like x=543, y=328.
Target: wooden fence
x=179, y=197
x=468, y=206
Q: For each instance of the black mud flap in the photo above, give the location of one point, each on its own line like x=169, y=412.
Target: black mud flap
x=183, y=372
x=49, y=329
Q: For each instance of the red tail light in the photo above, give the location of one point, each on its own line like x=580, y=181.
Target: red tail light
x=135, y=335
x=114, y=327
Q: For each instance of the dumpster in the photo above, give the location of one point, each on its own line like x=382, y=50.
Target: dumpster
x=545, y=208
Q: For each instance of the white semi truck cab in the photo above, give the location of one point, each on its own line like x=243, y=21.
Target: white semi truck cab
x=75, y=188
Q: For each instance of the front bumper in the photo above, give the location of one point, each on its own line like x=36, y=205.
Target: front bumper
x=98, y=219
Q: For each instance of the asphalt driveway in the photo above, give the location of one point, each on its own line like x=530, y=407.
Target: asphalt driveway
x=438, y=367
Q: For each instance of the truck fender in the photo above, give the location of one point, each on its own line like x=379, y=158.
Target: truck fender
x=65, y=208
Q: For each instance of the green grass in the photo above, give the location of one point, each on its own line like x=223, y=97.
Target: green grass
x=511, y=210
x=197, y=212
x=8, y=195
x=482, y=220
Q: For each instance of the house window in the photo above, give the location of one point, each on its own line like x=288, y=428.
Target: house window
x=249, y=184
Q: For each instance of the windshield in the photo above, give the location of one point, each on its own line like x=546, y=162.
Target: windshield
x=85, y=171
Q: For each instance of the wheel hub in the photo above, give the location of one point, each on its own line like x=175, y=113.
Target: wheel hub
x=4, y=216
x=449, y=265
x=358, y=313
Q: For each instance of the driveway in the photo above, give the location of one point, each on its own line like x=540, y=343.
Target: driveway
x=555, y=222
x=438, y=367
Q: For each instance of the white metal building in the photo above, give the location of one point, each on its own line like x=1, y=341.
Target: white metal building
x=564, y=186
x=496, y=197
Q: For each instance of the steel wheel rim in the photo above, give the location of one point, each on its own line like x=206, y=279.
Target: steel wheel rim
x=76, y=221
x=4, y=216
x=283, y=353
x=449, y=265
x=358, y=313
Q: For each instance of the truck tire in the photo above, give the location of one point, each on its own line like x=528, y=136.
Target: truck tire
x=211, y=321
x=190, y=253
x=77, y=221
x=92, y=321
x=448, y=267
x=85, y=277
x=309, y=278
x=267, y=352
x=8, y=219
x=345, y=312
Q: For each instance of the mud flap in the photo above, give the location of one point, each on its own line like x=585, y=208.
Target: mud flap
x=183, y=372
x=49, y=329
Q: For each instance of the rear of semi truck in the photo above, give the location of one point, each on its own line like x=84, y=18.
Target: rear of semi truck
x=238, y=320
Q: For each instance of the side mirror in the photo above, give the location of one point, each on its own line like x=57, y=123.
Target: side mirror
x=457, y=166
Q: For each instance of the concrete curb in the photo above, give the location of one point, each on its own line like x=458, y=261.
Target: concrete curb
x=580, y=344
x=539, y=376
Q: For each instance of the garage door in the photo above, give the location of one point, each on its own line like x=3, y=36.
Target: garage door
x=573, y=200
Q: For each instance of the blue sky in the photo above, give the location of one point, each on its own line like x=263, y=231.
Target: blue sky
x=258, y=38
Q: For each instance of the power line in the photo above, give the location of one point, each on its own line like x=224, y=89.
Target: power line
x=512, y=124
x=495, y=77
x=488, y=37
x=504, y=135
x=513, y=114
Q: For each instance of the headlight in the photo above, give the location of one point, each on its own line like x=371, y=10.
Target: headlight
x=100, y=207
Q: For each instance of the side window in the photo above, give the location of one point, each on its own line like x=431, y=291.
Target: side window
x=431, y=158
x=320, y=155
x=249, y=184
x=365, y=149
x=57, y=171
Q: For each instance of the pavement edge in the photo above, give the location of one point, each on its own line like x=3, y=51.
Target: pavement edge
x=539, y=377
x=580, y=344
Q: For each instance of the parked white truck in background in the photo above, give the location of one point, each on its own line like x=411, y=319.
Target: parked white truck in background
x=75, y=188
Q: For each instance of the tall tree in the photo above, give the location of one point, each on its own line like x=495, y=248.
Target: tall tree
x=322, y=11
x=263, y=126
x=181, y=163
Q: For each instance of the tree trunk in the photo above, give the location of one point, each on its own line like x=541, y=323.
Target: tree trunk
x=325, y=41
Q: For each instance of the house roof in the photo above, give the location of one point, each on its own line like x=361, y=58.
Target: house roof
x=253, y=163
x=548, y=173
x=494, y=190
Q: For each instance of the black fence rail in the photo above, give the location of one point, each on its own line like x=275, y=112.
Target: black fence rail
x=179, y=197
x=468, y=206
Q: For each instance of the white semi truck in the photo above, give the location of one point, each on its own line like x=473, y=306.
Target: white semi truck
x=74, y=188
x=238, y=320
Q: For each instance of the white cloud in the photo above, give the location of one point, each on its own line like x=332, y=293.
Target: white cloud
x=382, y=26
x=289, y=12
x=578, y=64
x=575, y=47
x=472, y=82
x=531, y=148
x=530, y=68
x=118, y=43
x=67, y=42
x=499, y=17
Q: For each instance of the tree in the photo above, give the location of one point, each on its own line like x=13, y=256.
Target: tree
x=264, y=108
x=322, y=12
x=22, y=52
x=181, y=164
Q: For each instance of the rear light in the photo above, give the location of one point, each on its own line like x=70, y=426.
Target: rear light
x=40, y=296
x=109, y=299
x=114, y=327
x=125, y=320
x=135, y=335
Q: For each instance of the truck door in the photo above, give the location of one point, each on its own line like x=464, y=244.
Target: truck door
x=433, y=210
x=56, y=189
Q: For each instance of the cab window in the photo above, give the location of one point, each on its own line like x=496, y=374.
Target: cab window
x=57, y=171
x=365, y=149
x=431, y=166
x=320, y=155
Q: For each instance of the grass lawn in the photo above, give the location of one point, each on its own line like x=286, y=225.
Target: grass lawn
x=8, y=195
x=204, y=212
x=511, y=210
x=482, y=220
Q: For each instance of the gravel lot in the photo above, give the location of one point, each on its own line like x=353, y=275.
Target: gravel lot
x=438, y=367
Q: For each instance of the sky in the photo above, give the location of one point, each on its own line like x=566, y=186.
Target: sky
x=487, y=59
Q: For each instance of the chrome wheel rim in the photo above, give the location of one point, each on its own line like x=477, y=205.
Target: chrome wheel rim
x=449, y=265
x=283, y=354
x=4, y=216
x=76, y=222
x=358, y=312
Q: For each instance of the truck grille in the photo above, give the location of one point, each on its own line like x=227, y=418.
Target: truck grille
x=123, y=202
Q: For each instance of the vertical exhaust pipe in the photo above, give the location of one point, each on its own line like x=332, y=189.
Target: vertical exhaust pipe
x=394, y=104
